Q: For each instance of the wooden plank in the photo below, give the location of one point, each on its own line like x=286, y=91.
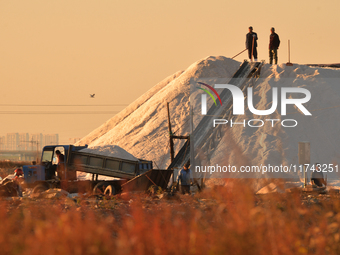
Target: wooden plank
x=142, y=182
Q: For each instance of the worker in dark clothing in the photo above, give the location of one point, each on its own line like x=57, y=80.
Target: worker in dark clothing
x=274, y=43
x=317, y=177
x=251, y=44
x=60, y=165
x=185, y=179
x=60, y=157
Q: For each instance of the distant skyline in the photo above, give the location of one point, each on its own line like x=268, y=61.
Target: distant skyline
x=54, y=54
x=27, y=141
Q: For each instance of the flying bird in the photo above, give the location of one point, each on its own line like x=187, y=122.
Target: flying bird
x=92, y=95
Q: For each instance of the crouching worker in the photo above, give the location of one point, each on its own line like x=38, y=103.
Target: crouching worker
x=184, y=177
x=317, y=176
x=18, y=180
x=18, y=174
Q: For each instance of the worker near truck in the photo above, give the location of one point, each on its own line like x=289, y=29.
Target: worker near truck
x=274, y=43
x=184, y=178
x=18, y=180
x=251, y=44
x=18, y=173
x=60, y=165
x=317, y=176
x=60, y=157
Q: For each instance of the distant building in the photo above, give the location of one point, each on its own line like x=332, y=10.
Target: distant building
x=24, y=141
x=12, y=141
x=27, y=142
x=2, y=142
x=36, y=141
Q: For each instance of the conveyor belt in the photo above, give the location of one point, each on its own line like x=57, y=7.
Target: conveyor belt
x=203, y=131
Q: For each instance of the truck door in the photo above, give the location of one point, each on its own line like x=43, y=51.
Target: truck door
x=59, y=159
x=46, y=162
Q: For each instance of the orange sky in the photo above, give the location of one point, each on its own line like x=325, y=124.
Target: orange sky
x=57, y=52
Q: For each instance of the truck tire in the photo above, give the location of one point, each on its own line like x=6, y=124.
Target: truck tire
x=110, y=191
x=99, y=189
x=39, y=188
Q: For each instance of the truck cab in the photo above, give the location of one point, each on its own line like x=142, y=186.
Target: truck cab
x=49, y=167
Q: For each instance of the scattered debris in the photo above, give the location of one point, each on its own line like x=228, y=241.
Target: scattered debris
x=51, y=193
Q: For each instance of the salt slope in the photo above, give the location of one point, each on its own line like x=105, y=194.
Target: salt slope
x=267, y=145
x=142, y=128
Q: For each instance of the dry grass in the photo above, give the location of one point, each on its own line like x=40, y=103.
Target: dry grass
x=217, y=221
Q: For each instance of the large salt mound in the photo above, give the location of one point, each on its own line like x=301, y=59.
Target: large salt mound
x=142, y=128
x=267, y=145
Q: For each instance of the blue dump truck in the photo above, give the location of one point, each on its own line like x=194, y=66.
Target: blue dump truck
x=53, y=174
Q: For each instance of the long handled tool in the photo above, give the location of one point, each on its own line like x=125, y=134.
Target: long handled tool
x=238, y=54
x=288, y=63
x=252, y=49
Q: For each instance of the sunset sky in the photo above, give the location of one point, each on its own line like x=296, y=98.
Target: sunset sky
x=54, y=53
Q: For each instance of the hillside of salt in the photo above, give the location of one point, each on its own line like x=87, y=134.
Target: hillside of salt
x=279, y=145
x=142, y=129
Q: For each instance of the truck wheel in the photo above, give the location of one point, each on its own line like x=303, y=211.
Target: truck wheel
x=99, y=189
x=110, y=190
x=39, y=188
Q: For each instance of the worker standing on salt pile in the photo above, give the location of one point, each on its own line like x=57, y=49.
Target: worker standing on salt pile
x=184, y=177
x=251, y=44
x=274, y=43
x=317, y=176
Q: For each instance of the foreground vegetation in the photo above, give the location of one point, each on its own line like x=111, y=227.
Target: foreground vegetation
x=216, y=221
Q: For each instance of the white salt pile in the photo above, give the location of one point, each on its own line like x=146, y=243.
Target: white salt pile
x=279, y=145
x=142, y=128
